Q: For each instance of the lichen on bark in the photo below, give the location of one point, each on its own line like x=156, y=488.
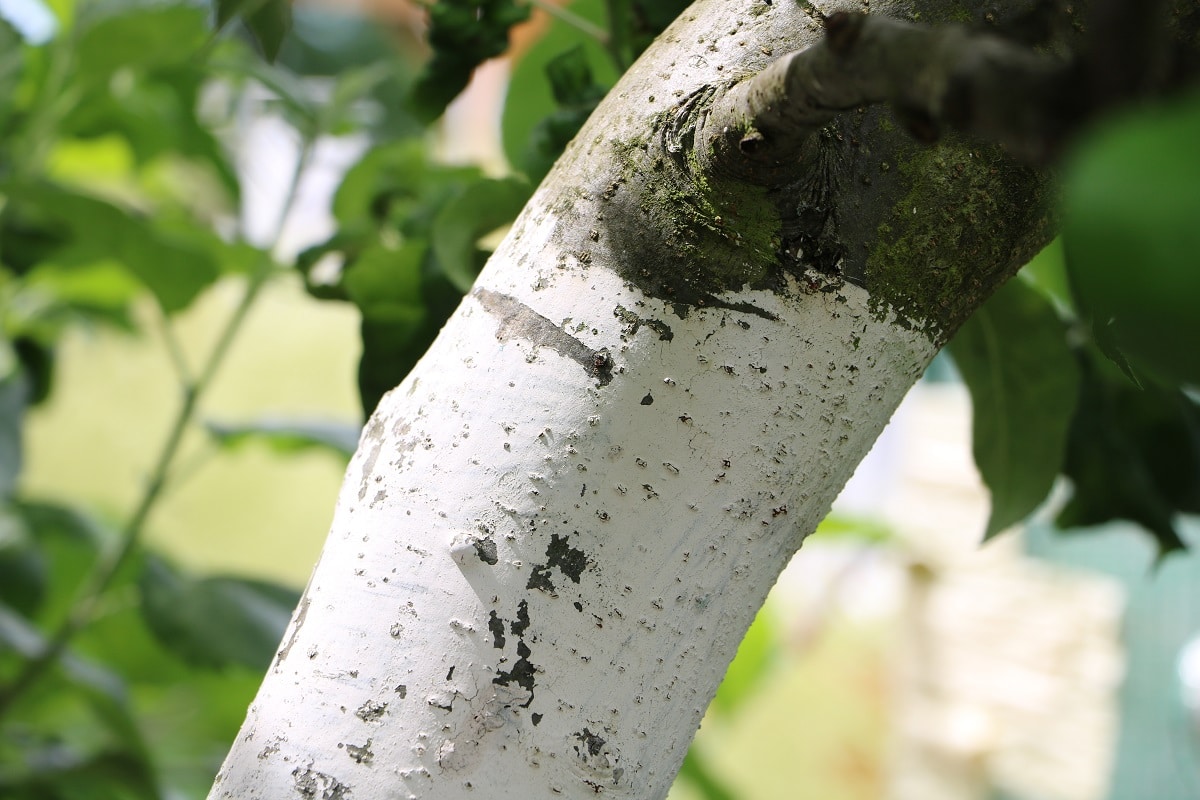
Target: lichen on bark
x=969, y=219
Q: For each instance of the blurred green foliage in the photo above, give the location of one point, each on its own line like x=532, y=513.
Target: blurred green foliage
x=1097, y=381
x=123, y=675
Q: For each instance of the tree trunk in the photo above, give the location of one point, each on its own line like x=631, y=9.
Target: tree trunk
x=557, y=529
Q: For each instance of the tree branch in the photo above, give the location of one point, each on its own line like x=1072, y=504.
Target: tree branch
x=949, y=76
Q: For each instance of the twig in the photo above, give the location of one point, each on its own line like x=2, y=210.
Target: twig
x=949, y=76
x=107, y=569
x=577, y=22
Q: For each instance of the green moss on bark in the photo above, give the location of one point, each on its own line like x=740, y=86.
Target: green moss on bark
x=953, y=237
x=695, y=236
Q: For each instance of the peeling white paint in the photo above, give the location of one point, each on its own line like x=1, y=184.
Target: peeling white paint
x=555, y=534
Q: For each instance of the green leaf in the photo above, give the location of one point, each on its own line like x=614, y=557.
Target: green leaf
x=289, y=436
x=343, y=112
x=1133, y=454
x=384, y=282
x=530, y=105
x=214, y=622
x=651, y=17
x=577, y=95
x=293, y=97
x=388, y=204
x=24, y=573
x=463, y=34
x=227, y=10
x=480, y=209
x=132, y=37
x=158, y=113
x=37, y=365
x=1131, y=238
x=1024, y=382
x=101, y=292
x=701, y=779
x=270, y=24
x=173, y=269
x=65, y=541
x=21, y=637
x=12, y=65
x=14, y=396
x=58, y=772
x=839, y=527
x=395, y=185
x=78, y=735
x=391, y=346
x=1047, y=272
x=755, y=656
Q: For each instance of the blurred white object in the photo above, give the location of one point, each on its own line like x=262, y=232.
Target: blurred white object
x=1189, y=679
x=1010, y=668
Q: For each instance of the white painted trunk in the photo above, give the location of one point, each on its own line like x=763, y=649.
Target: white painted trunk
x=556, y=531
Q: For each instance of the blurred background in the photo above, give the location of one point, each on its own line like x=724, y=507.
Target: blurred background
x=175, y=443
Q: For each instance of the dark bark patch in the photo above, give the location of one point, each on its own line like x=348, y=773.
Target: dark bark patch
x=362, y=754
x=370, y=711
x=634, y=323
x=486, y=550
x=496, y=626
x=682, y=236
x=539, y=579
x=591, y=742
x=318, y=785
x=519, y=627
x=561, y=556
x=522, y=673
x=519, y=321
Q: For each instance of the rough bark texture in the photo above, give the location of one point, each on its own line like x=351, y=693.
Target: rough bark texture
x=557, y=529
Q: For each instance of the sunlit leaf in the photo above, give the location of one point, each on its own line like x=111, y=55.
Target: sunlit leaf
x=1024, y=382
x=755, y=656
x=97, y=292
x=701, y=779
x=289, y=436
x=158, y=114
x=839, y=527
x=1047, y=272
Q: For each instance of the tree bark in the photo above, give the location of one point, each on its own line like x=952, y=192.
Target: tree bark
x=556, y=531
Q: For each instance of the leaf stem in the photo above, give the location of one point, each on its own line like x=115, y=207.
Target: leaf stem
x=577, y=22
x=619, y=25
x=110, y=566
